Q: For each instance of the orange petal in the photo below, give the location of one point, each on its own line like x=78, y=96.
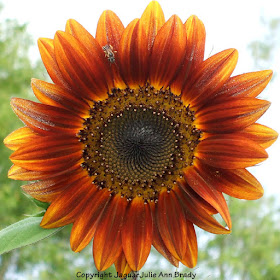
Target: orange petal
x=261, y=134
x=230, y=152
x=170, y=42
x=171, y=223
x=190, y=258
x=122, y=266
x=195, y=211
x=238, y=183
x=85, y=71
x=86, y=223
x=152, y=20
x=45, y=119
x=69, y=204
x=46, y=48
x=19, y=173
x=196, y=34
x=19, y=137
x=48, y=189
x=107, y=244
x=159, y=244
x=109, y=31
x=231, y=115
x=137, y=233
x=208, y=193
x=244, y=85
x=134, y=54
x=209, y=77
x=49, y=154
x=58, y=96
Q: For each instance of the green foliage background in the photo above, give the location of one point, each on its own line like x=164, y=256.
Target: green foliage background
x=252, y=251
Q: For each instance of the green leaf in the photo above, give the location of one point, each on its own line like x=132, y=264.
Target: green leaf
x=23, y=233
x=41, y=204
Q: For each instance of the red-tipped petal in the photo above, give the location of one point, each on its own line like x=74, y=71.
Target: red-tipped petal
x=172, y=225
x=231, y=115
x=49, y=154
x=85, y=71
x=238, y=183
x=48, y=189
x=152, y=20
x=20, y=137
x=190, y=258
x=69, y=204
x=244, y=85
x=122, y=266
x=196, y=34
x=46, y=119
x=230, y=152
x=55, y=95
x=107, y=244
x=46, y=48
x=195, y=211
x=260, y=134
x=209, y=77
x=158, y=242
x=86, y=223
x=109, y=31
x=208, y=193
x=134, y=54
x=170, y=42
x=137, y=233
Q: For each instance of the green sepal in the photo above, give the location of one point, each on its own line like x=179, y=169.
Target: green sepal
x=22, y=233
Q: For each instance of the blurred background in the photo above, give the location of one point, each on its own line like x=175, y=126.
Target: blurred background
x=252, y=250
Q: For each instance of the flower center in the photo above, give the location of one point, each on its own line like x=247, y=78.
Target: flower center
x=138, y=141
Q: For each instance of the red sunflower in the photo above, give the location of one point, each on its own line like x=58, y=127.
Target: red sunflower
x=138, y=137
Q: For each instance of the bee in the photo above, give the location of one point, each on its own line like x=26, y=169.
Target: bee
x=109, y=53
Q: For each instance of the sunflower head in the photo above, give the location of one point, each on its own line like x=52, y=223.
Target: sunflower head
x=139, y=136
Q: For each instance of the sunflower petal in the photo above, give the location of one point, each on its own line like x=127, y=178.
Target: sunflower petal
x=86, y=223
x=46, y=48
x=45, y=119
x=55, y=95
x=134, y=54
x=107, y=245
x=190, y=258
x=261, y=134
x=238, y=183
x=172, y=225
x=85, y=71
x=152, y=20
x=195, y=211
x=208, y=193
x=209, y=77
x=231, y=115
x=109, y=31
x=65, y=208
x=19, y=137
x=137, y=233
x=48, y=189
x=122, y=266
x=230, y=152
x=48, y=154
x=244, y=85
x=196, y=34
x=159, y=244
x=170, y=42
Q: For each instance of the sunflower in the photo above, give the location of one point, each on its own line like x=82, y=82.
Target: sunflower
x=138, y=137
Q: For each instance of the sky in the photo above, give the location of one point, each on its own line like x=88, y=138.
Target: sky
x=229, y=24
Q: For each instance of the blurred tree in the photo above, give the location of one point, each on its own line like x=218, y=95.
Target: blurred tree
x=252, y=250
